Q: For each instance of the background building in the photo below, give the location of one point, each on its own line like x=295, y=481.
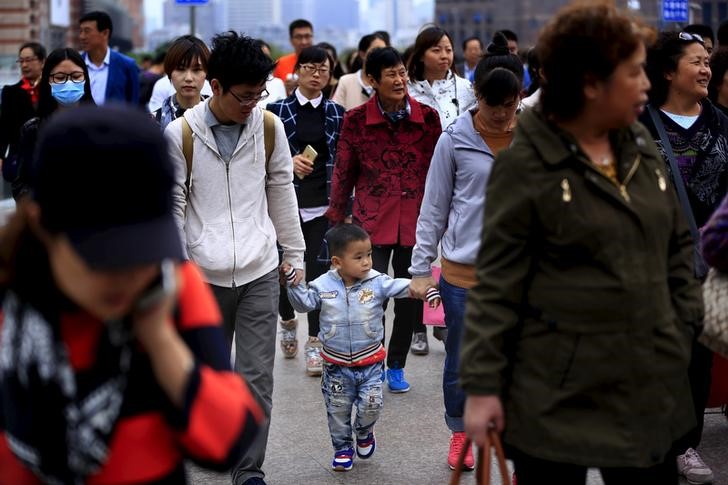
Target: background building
x=482, y=18
x=54, y=23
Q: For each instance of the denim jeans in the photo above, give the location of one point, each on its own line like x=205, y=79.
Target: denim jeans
x=453, y=302
x=346, y=387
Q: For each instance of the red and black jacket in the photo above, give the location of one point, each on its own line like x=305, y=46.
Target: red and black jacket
x=152, y=438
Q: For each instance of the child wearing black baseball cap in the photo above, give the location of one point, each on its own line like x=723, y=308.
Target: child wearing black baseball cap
x=111, y=352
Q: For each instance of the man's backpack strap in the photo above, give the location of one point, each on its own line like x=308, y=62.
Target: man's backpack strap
x=187, y=145
x=269, y=134
x=269, y=139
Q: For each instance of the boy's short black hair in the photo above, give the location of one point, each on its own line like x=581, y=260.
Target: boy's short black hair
x=299, y=24
x=102, y=19
x=340, y=236
x=382, y=58
x=238, y=59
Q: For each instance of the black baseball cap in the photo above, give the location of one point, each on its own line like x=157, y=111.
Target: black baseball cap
x=102, y=176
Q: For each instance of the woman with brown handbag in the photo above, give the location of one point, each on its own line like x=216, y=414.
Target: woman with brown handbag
x=577, y=335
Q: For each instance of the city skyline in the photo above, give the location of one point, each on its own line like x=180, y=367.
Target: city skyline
x=372, y=15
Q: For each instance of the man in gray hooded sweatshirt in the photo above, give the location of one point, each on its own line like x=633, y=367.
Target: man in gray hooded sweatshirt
x=233, y=200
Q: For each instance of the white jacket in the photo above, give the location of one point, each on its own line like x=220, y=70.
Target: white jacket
x=442, y=94
x=235, y=212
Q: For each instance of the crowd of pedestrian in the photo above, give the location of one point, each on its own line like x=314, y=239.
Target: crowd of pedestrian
x=172, y=221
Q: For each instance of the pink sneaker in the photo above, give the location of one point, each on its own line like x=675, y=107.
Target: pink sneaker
x=457, y=442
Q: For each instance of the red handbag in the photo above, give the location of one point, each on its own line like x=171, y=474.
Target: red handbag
x=434, y=316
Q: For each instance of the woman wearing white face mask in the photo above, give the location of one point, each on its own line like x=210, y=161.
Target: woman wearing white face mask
x=63, y=84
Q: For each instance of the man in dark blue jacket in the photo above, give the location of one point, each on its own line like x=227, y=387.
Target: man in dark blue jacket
x=114, y=76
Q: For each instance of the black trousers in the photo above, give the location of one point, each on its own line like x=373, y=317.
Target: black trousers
x=534, y=471
x=407, y=311
x=699, y=374
x=313, y=234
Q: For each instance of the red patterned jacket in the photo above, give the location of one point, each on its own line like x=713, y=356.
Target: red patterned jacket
x=152, y=440
x=387, y=165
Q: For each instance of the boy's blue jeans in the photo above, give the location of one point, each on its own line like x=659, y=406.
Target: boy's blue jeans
x=346, y=387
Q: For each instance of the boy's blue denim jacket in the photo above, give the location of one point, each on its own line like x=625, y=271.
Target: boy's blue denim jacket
x=351, y=329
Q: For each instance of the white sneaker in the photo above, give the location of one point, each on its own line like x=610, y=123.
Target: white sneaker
x=314, y=362
x=692, y=467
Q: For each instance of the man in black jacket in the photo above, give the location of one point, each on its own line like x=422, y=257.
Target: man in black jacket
x=18, y=103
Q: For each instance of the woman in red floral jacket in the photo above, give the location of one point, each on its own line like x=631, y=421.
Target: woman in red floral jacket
x=384, y=153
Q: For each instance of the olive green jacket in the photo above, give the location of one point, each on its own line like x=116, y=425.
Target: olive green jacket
x=581, y=317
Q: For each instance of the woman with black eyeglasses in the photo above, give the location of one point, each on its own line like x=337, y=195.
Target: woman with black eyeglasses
x=312, y=124
x=63, y=84
x=692, y=136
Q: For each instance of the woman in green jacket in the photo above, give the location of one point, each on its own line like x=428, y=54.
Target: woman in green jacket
x=577, y=335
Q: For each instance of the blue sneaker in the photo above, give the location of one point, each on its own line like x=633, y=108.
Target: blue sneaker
x=343, y=460
x=365, y=447
x=396, y=382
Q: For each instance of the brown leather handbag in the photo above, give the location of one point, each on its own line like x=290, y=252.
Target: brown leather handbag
x=482, y=469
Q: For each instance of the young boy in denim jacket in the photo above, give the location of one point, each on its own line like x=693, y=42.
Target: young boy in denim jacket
x=350, y=298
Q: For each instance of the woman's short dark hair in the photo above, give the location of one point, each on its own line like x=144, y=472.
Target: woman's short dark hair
x=498, y=55
x=498, y=86
x=183, y=51
x=238, y=59
x=337, y=70
x=364, y=43
x=38, y=50
x=663, y=58
x=583, y=43
x=340, y=236
x=718, y=67
x=382, y=58
x=47, y=104
x=425, y=39
x=315, y=55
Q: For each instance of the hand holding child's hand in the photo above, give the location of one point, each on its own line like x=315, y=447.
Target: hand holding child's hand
x=433, y=297
x=289, y=276
x=284, y=269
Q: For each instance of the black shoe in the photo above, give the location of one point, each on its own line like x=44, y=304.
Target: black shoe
x=440, y=333
x=254, y=481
